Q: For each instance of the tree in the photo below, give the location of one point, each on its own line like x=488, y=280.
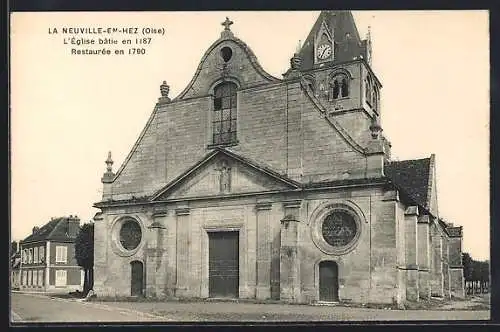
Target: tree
x=467, y=263
x=84, y=254
x=13, y=251
x=13, y=247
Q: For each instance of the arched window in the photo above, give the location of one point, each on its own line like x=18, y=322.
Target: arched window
x=224, y=114
x=335, y=89
x=345, y=87
x=339, y=87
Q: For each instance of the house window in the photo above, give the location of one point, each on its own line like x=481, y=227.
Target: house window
x=339, y=87
x=224, y=114
x=30, y=277
x=35, y=251
x=24, y=278
x=41, y=253
x=61, y=278
x=23, y=256
x=61, y=254
x=30, y=256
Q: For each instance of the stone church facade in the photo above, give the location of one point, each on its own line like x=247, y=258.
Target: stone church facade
x=250, y=186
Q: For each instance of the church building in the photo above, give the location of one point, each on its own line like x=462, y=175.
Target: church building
x=250, y=186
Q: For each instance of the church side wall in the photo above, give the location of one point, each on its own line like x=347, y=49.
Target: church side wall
x=387, y=222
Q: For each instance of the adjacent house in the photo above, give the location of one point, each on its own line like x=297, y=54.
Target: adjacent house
x=48, y=261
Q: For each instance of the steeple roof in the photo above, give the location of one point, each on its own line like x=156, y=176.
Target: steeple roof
x=348, y=44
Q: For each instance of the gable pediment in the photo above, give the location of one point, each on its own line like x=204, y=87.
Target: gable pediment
x=223, y=173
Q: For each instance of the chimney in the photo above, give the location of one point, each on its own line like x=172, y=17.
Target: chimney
x=35, y=229
x=73, y=225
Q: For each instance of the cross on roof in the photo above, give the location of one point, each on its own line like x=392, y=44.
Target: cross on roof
x=227, y=23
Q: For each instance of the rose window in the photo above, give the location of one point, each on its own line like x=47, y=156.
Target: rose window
x=339, y=229
x=130, y=235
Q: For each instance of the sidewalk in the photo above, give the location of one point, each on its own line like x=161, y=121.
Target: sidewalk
x=471, y=303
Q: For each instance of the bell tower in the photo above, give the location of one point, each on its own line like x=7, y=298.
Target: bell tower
x=336, y=63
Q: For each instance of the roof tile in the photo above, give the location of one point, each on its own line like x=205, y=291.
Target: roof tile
x=412, y=176
x=57, y=229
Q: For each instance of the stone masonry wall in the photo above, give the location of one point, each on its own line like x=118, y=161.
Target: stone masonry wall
x=271, y=113
x=366, y=274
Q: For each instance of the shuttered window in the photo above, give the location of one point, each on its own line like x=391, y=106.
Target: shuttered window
x=61, y=254
x=61, y=278
x=41, y=253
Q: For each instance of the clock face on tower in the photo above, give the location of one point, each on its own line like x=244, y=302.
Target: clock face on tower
x=324, y=51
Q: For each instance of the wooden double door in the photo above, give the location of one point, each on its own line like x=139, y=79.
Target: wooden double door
x=223, y=266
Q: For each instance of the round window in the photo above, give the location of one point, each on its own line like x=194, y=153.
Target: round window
x=130, y=234
x=226, y=53
x=339, y=228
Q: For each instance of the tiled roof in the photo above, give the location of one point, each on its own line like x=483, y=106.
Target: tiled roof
x=412, y=176
x=55, y=230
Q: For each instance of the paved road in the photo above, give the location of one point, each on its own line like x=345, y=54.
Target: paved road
x=39, y=309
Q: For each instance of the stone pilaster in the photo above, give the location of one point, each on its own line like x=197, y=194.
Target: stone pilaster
x=101, y=238
x=456, y=270
x=411, y=253
x=294, y=131
x=264, y=241
x=423, y=258
x=183, y=258
x=446, y=272
x=155, y=260
x=457, y=282
x=289, y=260
x=375, y=156
x=437, y=263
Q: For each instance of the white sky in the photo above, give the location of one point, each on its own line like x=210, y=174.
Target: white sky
x=68, y=111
